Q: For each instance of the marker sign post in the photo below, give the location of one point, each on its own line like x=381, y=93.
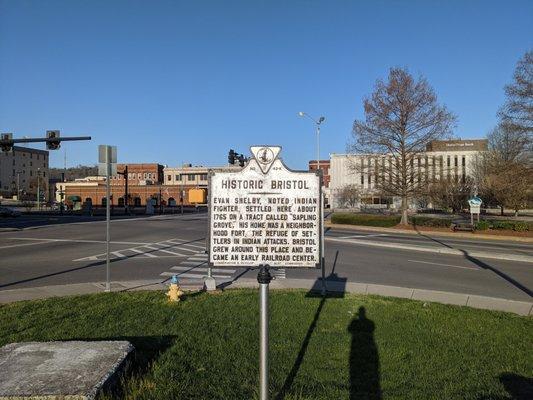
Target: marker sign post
x=475, y=208
x=265, y=216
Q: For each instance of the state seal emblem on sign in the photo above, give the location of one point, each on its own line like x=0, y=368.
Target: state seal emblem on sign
x=265, y=155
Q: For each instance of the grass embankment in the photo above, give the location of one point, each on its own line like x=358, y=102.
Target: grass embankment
x=363, y=347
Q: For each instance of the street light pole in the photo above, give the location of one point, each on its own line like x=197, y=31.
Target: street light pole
x=38, y=189
x=322, y=263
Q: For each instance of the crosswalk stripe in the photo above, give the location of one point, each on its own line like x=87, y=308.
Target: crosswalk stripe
x=142, y=252
x=179, y=268
x=197, y=276
x=173, y=252
x=118, y=254
x=185, y=244
x=193, y=262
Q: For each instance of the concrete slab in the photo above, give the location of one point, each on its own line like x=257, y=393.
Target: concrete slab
x=491, y=303
x=392, y=291
x=74, y=370
x=457, y=299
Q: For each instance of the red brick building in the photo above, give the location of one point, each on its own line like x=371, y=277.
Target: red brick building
x=139, y=174
x=324, y=167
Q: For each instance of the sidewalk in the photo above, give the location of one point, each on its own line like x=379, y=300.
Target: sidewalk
x=462, y=235
x=461, y=299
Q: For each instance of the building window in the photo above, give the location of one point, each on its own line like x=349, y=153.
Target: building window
x=455, y=161
x=463, y=161
x=448, y=161
x=362, y=179
x=191, y=177
x=178, y=177
x=203, y=177
x=169, y=177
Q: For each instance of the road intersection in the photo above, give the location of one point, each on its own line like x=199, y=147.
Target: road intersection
x=157, y=247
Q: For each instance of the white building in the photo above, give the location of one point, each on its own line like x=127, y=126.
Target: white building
x=196, y=176
x=443, y=159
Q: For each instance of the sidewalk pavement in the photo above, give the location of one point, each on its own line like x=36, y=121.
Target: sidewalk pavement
x=460, y=299
x=461, y=235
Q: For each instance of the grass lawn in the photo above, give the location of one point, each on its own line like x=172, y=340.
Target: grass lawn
x=356, y=347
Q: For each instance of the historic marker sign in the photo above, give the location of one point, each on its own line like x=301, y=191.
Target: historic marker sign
x=265, y=214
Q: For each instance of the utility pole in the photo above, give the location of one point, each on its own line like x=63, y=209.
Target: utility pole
x=126, y=194
x=38, y=189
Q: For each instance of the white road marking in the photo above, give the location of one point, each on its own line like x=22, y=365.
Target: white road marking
x=444, y=265
x=19, y=245
x=180, y=268
x=194, y=276
x=142, y=252
x=362, y=236
x=118, y=254
x=75, y=240
x=185, y=244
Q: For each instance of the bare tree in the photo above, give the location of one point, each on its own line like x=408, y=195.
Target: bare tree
x=349, y=196
x=517, y=112
x=401, y=116
x=504, y=174
x=451, y=194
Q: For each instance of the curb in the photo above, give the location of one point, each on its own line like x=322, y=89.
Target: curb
x=463, y=253
x=460, y=299
x=460, y=235
x=523, y=308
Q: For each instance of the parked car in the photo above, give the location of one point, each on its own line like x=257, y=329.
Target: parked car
x=8, y=212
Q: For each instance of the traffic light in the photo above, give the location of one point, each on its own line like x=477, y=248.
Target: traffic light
x=7, y=143
x=52, y=144
x=231, y=156
x=242, y=160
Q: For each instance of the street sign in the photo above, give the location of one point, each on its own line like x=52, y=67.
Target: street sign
x=475, y=208
x=265, y=214
x=102, y=160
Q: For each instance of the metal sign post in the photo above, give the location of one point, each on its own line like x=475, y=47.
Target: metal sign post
x=265, y=216
x=475, y=208
x=264, y=278
x=107, y=158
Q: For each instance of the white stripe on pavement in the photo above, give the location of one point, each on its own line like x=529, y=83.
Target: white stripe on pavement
x=196, y=276
x=142, y=252
x=444, y=265
x=179, y=268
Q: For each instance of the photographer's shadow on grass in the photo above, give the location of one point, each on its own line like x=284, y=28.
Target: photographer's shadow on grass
x=364, y=359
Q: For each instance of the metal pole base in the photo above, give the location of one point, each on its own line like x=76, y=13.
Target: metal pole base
x=264, y=278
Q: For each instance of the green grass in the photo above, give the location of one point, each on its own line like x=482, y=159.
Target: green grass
x=206, y=347
x=386, y=221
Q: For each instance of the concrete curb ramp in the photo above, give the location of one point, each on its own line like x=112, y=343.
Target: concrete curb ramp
x=438, y=250
x=460, y=299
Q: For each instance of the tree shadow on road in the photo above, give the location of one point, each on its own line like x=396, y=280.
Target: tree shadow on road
x=482, y=265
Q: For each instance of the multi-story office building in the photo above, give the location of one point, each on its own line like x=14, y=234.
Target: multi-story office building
x=443, y=159
x=22, y=171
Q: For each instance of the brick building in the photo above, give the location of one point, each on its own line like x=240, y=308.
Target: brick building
x=168, y=185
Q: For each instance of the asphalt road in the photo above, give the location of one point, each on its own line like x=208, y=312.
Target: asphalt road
x=72, y=250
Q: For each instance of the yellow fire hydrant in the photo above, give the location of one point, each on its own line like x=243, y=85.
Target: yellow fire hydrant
x=174, y=290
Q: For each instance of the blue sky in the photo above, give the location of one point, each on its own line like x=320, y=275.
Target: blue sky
x=175, y=81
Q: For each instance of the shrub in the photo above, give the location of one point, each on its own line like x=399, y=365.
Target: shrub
x=482, y=225
x=509, y=225
x=432, y=222
x=365, y=219
x=521, y=226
